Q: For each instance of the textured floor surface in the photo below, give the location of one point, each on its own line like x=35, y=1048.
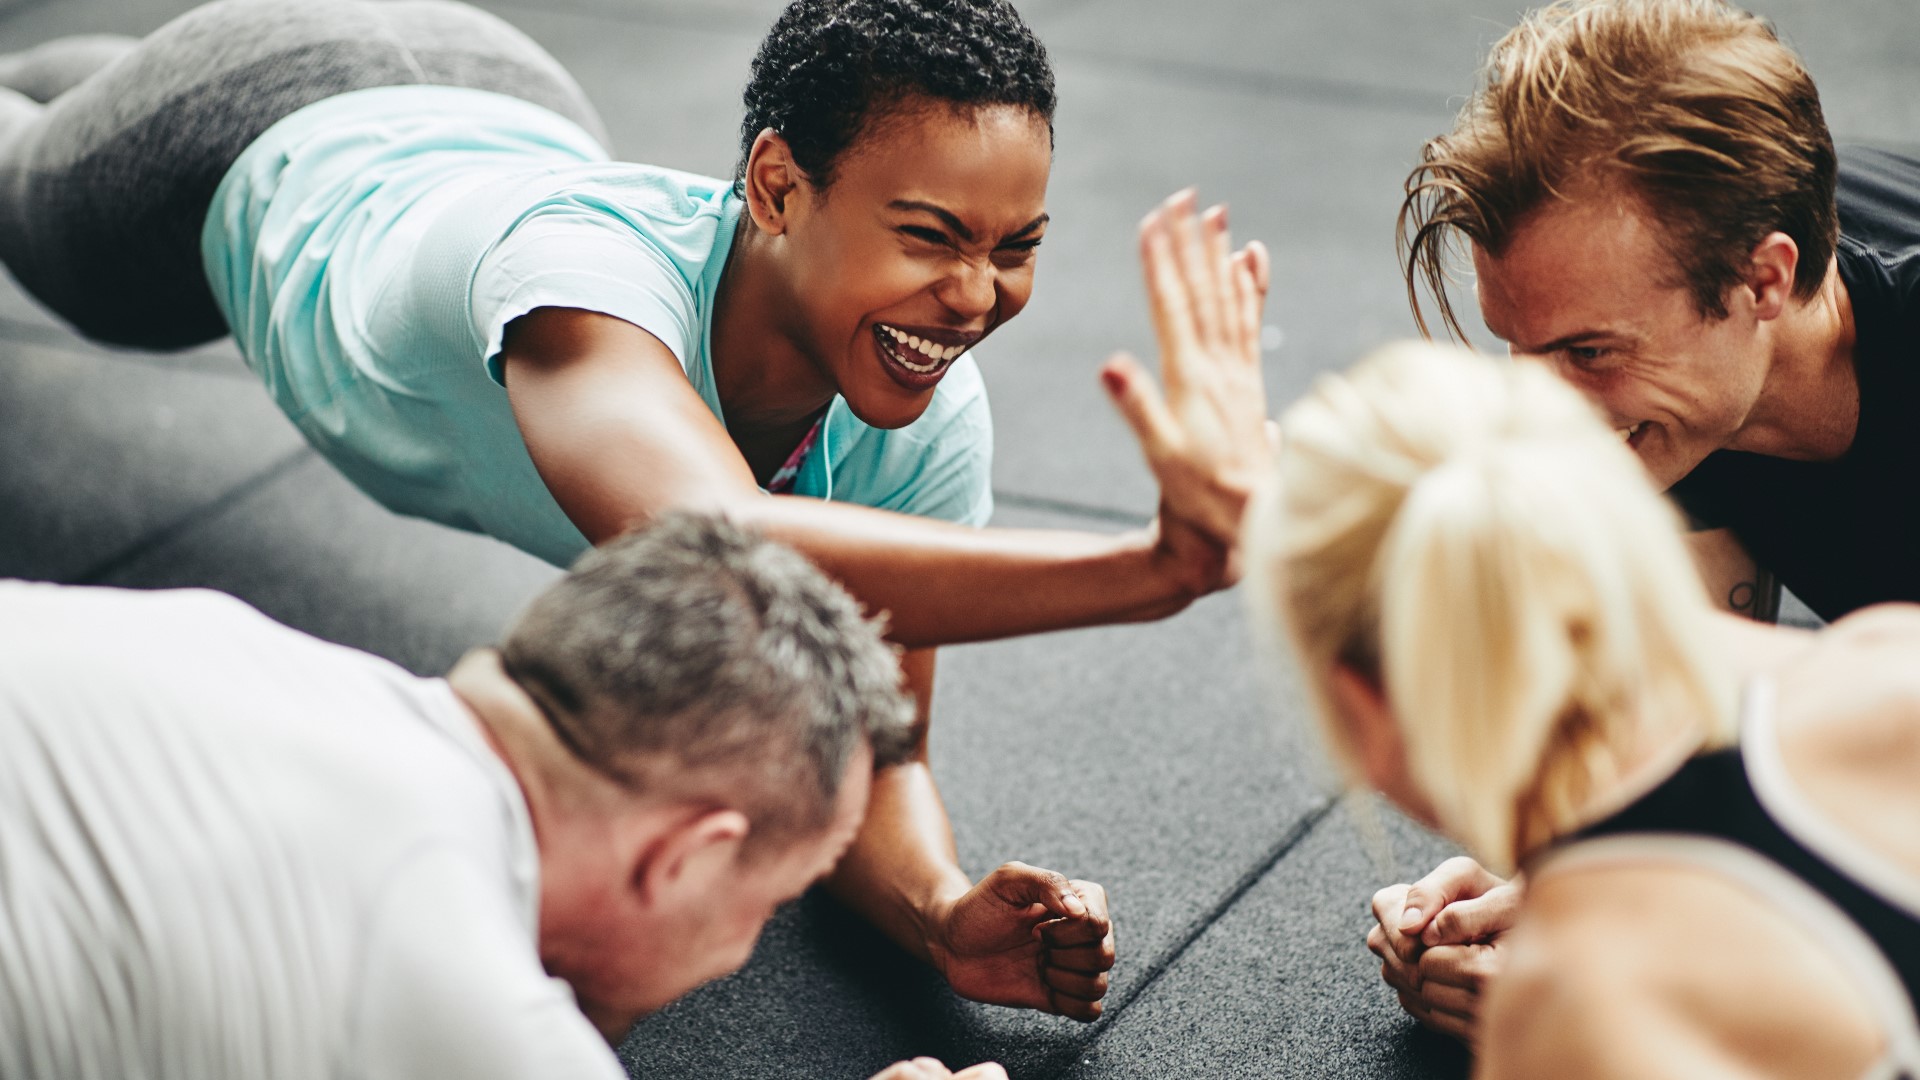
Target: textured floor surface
x=1164, y=761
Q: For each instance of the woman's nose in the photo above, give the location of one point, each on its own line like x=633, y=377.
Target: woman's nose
x=971, y=290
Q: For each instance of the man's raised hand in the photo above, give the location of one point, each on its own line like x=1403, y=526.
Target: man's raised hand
x=1206, y=438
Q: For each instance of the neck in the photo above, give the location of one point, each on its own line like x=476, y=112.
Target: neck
x=512, y=725
x=768, y=386
x=1809, y=406
x=1663, y=737
x=573, y=811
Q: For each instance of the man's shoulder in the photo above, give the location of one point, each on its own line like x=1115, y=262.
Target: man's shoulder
x=1878, y=194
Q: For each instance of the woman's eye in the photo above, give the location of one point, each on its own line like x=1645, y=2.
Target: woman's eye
x=931, y=236
x=1016, y=253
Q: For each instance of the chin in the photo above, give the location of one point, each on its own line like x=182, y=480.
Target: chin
x=887, y=410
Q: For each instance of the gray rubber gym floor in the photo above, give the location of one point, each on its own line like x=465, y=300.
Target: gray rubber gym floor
x=1167, y=761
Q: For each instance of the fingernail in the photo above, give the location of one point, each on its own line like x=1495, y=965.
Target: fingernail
x=1073, y=903
x=1113, y=380
x=1410, y=918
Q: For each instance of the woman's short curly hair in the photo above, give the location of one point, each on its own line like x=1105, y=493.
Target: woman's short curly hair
x=830, y=68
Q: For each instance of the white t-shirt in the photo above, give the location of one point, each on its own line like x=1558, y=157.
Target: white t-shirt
x=230, y=850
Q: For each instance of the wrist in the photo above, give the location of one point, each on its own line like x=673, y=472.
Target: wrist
x=1185, y=565
x=933, y=920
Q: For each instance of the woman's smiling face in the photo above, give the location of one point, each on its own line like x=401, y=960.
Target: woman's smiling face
x=923, y=243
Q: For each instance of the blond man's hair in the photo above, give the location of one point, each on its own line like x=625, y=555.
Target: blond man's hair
x=1693, y=107
x=1469, y=535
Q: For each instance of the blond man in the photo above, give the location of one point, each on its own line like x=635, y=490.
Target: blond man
x=1651, y=203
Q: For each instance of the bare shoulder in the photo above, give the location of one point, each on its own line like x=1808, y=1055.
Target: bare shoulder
x=1848, y=718
x=1650, y=970
x=1872, y=635
x=1856, y=693
x=1882, y=620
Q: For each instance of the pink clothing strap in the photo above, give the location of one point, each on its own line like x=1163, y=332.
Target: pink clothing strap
x=782, y=481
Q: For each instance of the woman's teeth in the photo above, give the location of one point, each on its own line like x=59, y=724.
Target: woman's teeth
x=1627, y=433
x=935, y=354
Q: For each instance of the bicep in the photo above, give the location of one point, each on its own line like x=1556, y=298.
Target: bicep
x=616, y=431
x=451, y=986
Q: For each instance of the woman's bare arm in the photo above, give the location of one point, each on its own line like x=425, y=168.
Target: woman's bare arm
x=620, y=437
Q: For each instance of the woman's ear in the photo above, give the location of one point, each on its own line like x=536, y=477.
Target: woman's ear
x=771, y=179
x=692, y=863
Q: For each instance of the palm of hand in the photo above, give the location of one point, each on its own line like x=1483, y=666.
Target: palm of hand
x=1207, y=439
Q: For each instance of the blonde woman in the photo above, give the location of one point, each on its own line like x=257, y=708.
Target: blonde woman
x=1506, y=637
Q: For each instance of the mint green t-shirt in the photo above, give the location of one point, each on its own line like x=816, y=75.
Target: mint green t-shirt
x=369, y=251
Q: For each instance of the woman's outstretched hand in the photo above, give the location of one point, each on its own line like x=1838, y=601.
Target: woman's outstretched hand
x=1207, y=438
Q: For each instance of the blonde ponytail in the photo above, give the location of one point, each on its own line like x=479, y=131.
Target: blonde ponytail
x=1468, y=533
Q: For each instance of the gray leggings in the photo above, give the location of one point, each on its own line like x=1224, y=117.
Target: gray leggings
x=111, y=148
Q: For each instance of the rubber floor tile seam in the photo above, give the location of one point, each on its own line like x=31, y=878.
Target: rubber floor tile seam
x=104, y=570
x=1197, y=929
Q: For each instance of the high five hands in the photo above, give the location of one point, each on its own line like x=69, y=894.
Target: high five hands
x=1207, y=438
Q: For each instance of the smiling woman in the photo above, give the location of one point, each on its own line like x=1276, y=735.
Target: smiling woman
x=405, y=215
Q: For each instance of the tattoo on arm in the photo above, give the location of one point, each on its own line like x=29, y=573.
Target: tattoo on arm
x=1758, y=599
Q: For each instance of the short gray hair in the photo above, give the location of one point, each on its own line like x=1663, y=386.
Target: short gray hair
x=695, y=646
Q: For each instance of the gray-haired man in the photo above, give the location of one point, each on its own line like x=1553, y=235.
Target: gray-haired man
x=230, y=850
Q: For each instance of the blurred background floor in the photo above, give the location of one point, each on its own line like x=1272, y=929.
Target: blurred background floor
x=1168, y=762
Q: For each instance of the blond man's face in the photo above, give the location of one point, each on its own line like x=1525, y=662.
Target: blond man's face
x=1584, y=285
